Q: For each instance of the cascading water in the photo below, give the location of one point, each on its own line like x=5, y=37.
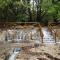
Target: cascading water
x=48, y=38
x=20, y=35
x=13, y=54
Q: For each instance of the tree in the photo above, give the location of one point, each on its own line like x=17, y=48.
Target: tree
x=53, y=11
x=29, y=10
x=12, y=10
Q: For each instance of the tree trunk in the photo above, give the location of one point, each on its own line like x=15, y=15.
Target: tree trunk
x=39, y=11
x=30, y=15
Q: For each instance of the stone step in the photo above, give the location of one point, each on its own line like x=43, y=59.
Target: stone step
x=48, y=39
x=49, y=42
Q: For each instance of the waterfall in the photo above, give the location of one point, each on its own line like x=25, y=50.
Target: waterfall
x=13, y=55
x=19, y=35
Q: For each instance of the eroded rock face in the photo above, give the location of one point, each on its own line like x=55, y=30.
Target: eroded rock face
x=2, y=36
x=10, y=35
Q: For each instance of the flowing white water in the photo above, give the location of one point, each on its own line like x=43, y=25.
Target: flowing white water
x=19, y=35
x=48, y=38
x=13, y=56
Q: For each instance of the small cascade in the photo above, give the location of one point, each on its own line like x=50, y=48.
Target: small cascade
x=10, y=35
x=13, y=54
x=47, y=38
x=18, y=35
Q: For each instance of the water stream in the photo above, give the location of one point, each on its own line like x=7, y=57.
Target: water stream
x=19, y=35
x=14, y=54
x=47, y=38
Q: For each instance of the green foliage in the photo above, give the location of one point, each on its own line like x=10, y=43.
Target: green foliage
x=22, y=18
x=58, y=15
x=12, y=10
x=25, y=10
x=54, y=11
